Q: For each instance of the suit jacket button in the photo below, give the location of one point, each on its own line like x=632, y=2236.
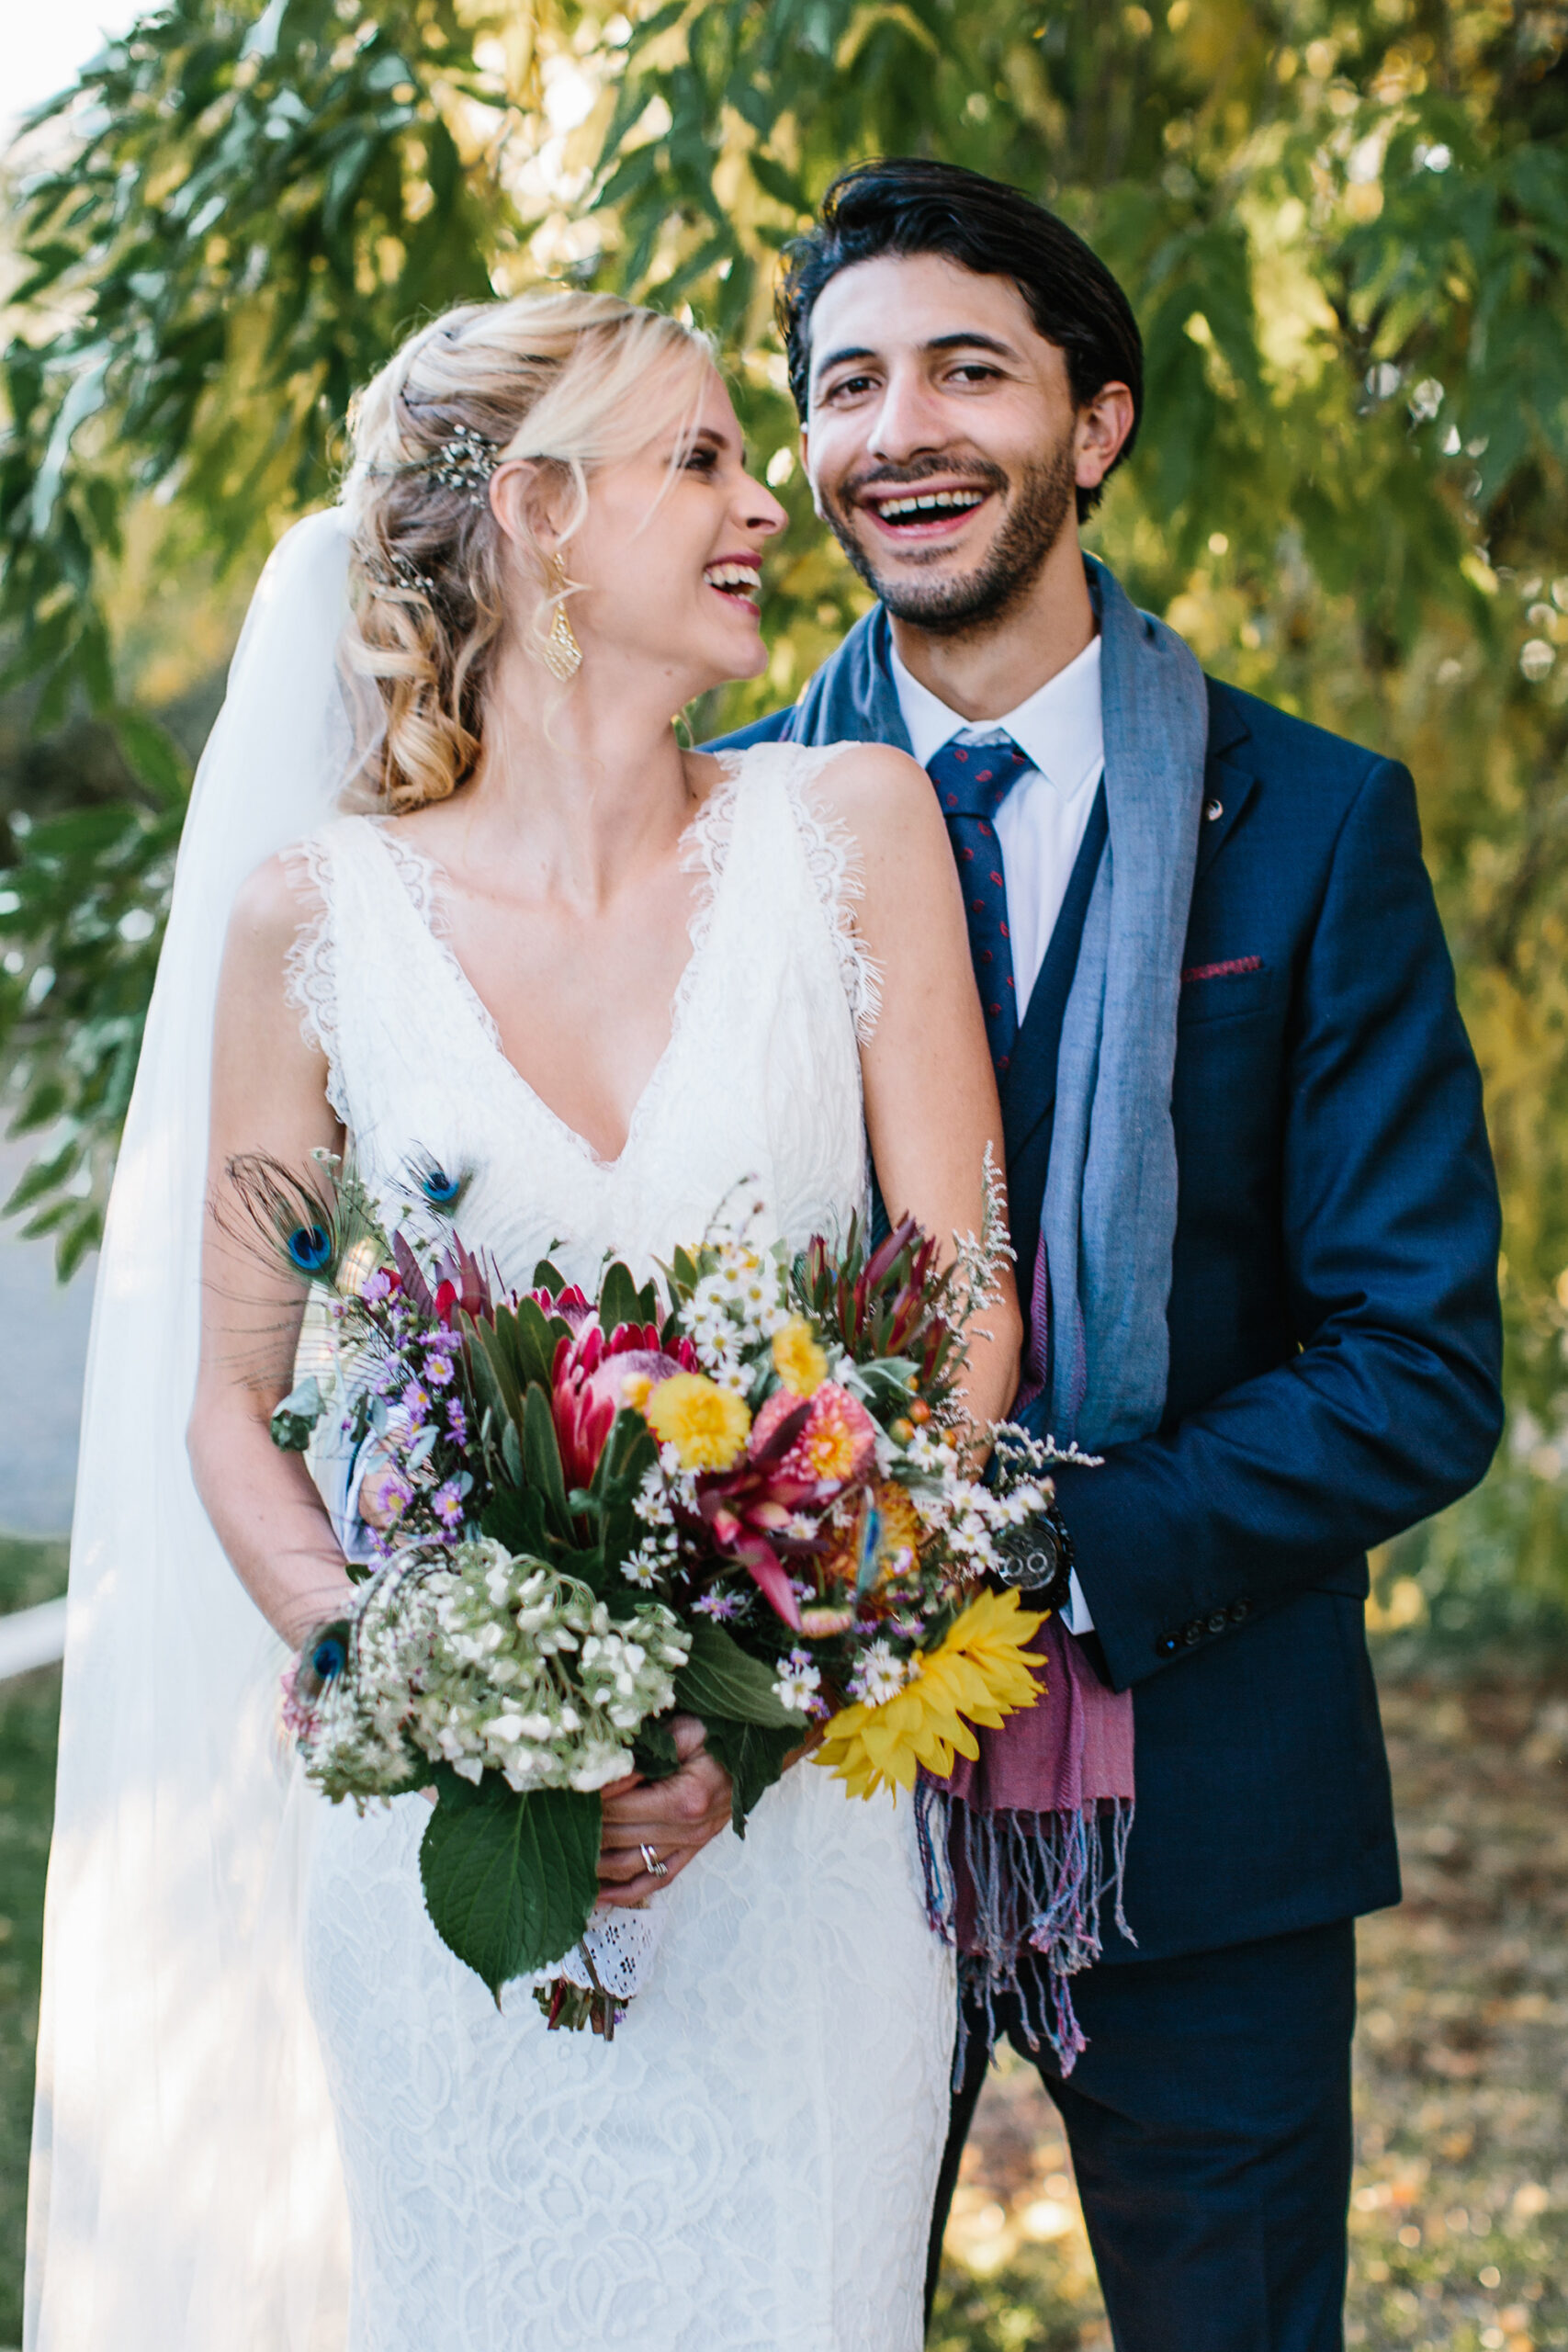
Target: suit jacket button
x=1239, y=1612
x=1193, y=1633
x=1218, y=1621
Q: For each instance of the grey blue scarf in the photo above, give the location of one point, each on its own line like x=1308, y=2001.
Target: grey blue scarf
x=1025, y=1844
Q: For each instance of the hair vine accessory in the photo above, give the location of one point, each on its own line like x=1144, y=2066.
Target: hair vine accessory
x=464, y=461
x=562, y=654
x=400, y=572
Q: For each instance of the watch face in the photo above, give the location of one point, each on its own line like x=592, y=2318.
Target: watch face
x=1031, y=1555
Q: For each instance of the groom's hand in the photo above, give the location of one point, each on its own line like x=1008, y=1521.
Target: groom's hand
x=674, y=1819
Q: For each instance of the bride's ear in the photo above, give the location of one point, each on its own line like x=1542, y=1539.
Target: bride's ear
x=527, y=500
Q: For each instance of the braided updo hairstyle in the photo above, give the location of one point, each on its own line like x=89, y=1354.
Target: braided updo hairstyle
x=574, y=380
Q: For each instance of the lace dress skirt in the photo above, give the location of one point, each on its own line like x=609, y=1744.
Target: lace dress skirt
x=748, y=2167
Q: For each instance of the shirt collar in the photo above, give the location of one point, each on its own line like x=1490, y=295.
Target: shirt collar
x=1060, y=727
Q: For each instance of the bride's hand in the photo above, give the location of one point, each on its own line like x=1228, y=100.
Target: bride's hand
x=673, y=1819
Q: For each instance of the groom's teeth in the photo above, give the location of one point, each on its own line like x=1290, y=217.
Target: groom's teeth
x=935, y=502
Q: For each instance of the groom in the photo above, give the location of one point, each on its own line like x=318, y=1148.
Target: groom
x=1251, y=1198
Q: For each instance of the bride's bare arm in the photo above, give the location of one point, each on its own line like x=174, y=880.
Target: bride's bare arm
x=931, y=1096
x=268, y=1096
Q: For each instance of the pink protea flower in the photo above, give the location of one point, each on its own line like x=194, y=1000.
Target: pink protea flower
x=573, y=1305
x=594, y=1376
x=835, y=1445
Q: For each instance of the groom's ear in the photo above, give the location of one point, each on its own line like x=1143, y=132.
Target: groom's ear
x=805, y=469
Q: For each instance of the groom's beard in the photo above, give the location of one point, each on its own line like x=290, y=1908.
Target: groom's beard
x=1045, y=495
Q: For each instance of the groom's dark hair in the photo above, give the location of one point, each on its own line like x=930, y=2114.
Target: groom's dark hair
x=905, y=205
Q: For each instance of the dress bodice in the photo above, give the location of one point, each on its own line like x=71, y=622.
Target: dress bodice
x=754, y=1106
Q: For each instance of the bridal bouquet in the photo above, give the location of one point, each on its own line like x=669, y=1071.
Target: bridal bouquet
x=742, y=1492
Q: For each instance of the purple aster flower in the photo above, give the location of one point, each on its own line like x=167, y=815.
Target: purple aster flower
x=457, y=1420
x=718, y=1605
x=447, y=1504
x=439, y=1370
x=376, y=1286
x=415, y=1402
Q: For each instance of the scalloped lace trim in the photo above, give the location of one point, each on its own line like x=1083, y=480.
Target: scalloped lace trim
x=310, y=979
x=832, y=854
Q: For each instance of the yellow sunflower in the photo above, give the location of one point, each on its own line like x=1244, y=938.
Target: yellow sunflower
x=706, y=1425
x=978, y=1675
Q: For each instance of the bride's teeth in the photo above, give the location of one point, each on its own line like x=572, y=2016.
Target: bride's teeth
x=731, y=575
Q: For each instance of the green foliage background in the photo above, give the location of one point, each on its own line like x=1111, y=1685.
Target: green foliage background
x=1344, y=225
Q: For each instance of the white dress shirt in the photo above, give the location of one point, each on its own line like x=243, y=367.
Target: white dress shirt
x=1039, y=825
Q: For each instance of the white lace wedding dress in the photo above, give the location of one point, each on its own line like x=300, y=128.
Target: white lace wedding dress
x=750, y=2166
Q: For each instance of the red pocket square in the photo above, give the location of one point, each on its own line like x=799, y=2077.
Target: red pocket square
x=1222, y=971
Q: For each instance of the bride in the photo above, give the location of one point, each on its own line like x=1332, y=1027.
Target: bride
x=608, y=984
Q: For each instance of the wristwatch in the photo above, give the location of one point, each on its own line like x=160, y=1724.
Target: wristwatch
x=1037, y=1557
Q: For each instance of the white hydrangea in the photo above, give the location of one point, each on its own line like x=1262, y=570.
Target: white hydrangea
x=489, y=1662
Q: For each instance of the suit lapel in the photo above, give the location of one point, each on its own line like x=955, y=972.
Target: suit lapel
x=1228, y=781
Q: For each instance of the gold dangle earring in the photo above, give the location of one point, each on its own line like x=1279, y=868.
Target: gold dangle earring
x=563, y=655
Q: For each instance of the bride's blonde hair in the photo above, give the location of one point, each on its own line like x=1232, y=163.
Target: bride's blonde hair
x=574, y=380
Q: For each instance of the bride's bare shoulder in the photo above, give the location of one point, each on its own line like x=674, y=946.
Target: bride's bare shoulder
x=882, y=798
x=271, y=907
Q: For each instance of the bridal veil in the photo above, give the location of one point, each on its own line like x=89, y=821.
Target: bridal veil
x=185, y=2190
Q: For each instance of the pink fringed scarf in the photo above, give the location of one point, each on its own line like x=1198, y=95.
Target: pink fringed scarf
x=1034, y=1837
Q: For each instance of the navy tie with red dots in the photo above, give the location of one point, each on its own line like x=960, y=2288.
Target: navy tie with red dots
x=972, y=781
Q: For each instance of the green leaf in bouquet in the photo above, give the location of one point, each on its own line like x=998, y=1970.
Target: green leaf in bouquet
x=654, y=1751
x=495, y=1374
x=541, y=1457
x=516, y=1518
x=510, y=1881
x=684, y=1273
x=722, y=1681
x=532, y=1337
x=621, y=1301
x=511, y=1453
x=296, y=1418
x=629, y=1453
x=753, y=1754
x=548, y=1277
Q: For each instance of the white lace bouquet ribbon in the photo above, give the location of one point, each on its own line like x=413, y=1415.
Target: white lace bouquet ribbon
x=621, y=1946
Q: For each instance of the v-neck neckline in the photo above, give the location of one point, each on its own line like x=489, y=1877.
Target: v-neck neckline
x=703, y=850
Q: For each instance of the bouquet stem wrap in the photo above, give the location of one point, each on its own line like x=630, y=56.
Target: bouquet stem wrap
x=1034, y=1843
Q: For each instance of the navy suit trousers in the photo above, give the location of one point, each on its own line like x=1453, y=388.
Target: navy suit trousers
x=1210, y=2127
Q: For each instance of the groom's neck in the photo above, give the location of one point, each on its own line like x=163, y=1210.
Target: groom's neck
x=986, y=671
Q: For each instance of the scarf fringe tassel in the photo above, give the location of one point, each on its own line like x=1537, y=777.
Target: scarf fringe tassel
x=1036, y=1884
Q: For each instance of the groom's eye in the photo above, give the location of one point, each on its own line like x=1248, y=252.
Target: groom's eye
x=848, y=384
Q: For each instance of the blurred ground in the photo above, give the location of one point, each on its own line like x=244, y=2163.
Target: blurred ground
x=1459, y=2226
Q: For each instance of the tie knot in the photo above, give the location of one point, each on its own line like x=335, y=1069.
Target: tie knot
x=974, y=779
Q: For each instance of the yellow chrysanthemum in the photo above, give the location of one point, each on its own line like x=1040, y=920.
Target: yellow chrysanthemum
x=706, y=1425
x=797, y=1359
x=979, y=1675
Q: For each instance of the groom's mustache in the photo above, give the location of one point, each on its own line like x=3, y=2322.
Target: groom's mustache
x=976, y=470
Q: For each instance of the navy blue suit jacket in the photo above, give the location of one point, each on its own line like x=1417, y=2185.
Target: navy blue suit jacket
x=1335, y=1340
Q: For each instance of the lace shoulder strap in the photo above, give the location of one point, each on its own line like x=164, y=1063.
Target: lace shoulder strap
x=315, y=866
x=832, y=857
